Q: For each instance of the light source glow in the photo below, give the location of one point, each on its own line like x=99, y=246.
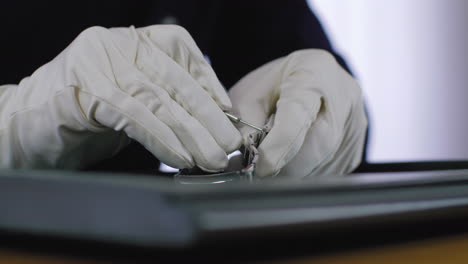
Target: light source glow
x=411, y=60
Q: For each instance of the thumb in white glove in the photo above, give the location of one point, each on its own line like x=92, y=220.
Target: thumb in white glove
x=319, y=123
x=150, y=84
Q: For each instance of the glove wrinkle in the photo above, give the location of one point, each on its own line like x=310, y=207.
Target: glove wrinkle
x=98, y=106
x=113, y=85
x=319, y=120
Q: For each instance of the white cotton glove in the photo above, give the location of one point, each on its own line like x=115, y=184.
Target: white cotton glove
x=319, y=123
x=150, y=84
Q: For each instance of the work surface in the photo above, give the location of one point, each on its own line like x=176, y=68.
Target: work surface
x=67, y=216
x=442, y=250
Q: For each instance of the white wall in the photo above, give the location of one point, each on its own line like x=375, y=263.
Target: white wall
x=412, y=61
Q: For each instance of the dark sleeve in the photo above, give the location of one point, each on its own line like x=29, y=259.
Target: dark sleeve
x=34, y=32
x=250, y=34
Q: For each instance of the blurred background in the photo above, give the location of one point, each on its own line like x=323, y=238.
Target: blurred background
x=411, y=60
x=410, y=57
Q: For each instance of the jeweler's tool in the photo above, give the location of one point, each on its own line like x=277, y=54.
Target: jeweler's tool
x=236, y=119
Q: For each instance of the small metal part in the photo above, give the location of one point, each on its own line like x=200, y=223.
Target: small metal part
x=236, y=119
x=247, y=165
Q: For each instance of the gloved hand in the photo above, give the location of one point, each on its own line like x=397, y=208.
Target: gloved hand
x=319, y=123
x=109, y=85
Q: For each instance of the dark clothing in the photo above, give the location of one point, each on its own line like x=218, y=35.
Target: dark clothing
x=238, y=36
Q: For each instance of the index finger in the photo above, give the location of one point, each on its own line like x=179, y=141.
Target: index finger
x=162, y=70
x=178, y=44
x=293, y=118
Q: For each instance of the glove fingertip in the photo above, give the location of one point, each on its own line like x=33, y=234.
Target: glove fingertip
x=275, y=153
x=223, y=101
x=214, y=165
x=235, y=140
x=265, y=171
x=180, y=160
